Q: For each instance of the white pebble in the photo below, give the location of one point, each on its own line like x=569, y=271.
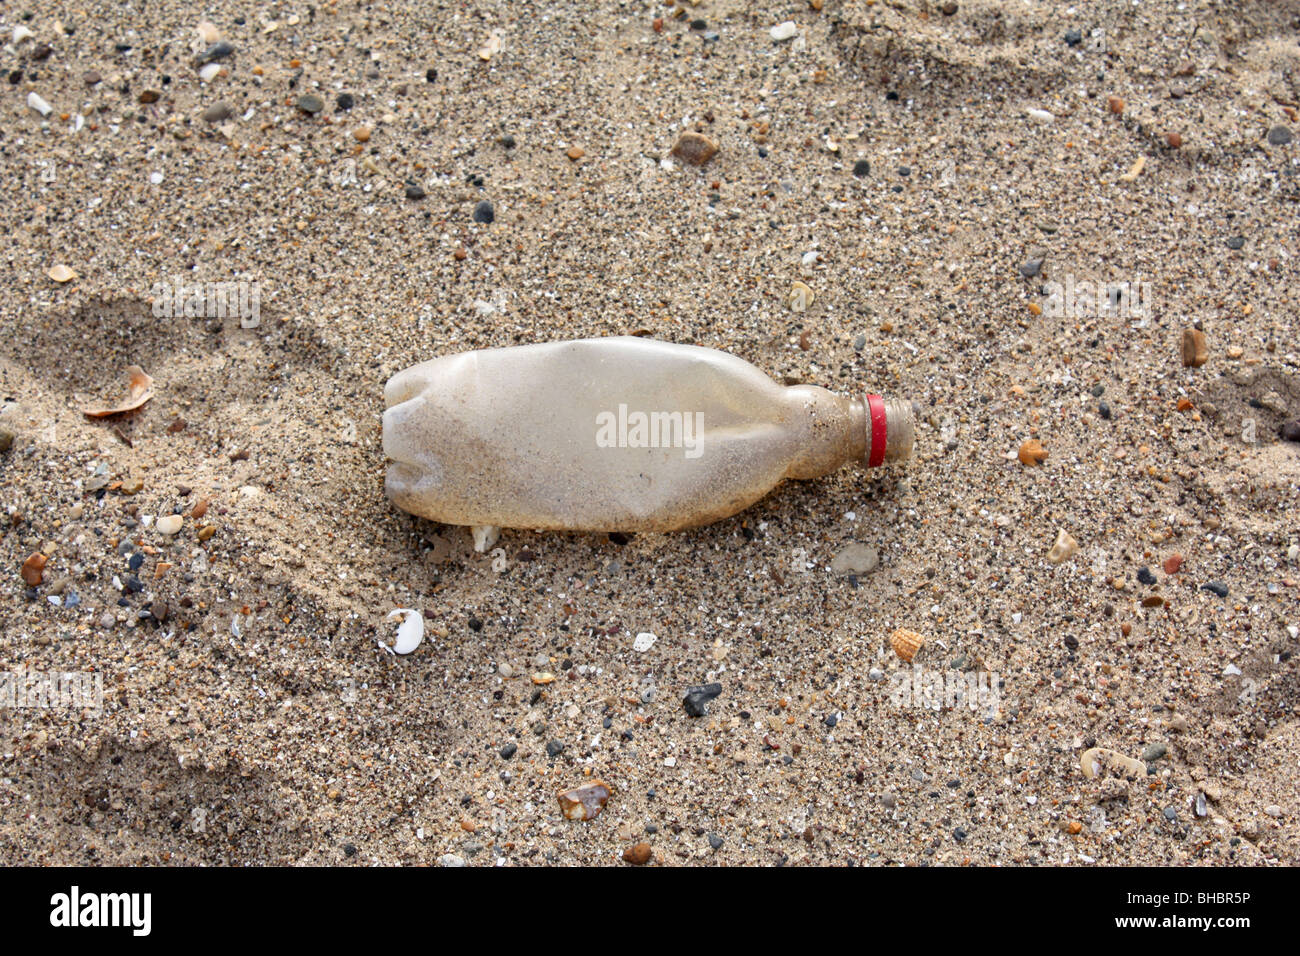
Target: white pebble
x=22, y=33
x=410, y=632
x=784, y=31
x=170, y=524
x=1041, y=116
x=644, y=641
x=210, y=71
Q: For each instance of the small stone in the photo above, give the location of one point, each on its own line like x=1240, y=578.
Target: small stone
x=644, y=641
x=451, y=859
x=345, y=101
x=1115, y=104
x=361, y=134
x=310, y=103
x=1279, y=136
x=91, y=78
x=34, y=569
x=1154, y=752
x=1273, y=810
x=6, y=438
x=554, y=748
x=206, y=532
x=1236, y=242
x=1196, y=351
x=948, y=8
x=575, y=153
x=1064, y=549
x=856, y=559
x=149, y=96
x=1290, y=431
x=1031, y=268
x=414, y=191
x=697, y=699
x=1174, y=140
x=638, y=855
x=715, y=842
x=1173, y=563
x=170, y=524
x=784, y=31
x=216, y=113
x=484, y=212
x=1145, y=576
x=1032, y=453
x=801, y=297
x=1216, y=587
x=862, y=168
x=1073, y=37
x=694, y=148
x=217, y=51
x=585, y=802
x=509, y=750
x=210, y=72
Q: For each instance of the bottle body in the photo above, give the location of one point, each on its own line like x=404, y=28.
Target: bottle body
x=611, y=434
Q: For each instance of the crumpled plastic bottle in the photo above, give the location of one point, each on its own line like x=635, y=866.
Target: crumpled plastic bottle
x=615, y=434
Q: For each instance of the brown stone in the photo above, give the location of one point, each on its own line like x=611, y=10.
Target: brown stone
x=638, y=855
x=695, y=148
x=1196, y=352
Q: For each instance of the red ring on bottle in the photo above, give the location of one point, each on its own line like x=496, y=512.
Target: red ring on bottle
x=879, y=430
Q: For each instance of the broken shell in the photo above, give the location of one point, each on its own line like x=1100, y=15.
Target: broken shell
x=410, y=632
x=485, y=535
x=644, y=641
x=1064, y=549
x=1101, y=760
x=490, y=48
x=1196, y=351
x=61, y=273
x=585, y=802
x=543, y=677
x=37, y=102
x=1032, y=453
x=801, y=297
x=138, y=392
x=906, y=643
x=784, y=31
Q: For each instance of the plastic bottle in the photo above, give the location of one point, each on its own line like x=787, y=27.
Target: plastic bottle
x=615, y=434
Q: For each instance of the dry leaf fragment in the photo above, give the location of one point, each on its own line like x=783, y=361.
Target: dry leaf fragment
x=139, y=391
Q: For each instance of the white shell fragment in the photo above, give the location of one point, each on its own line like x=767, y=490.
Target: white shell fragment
x=644, y=641
x=22, y=33
x=409, y=633
x=1041, y=116
x=784, y=31
x=210, y=71
x=1064, y=549
x=485, y=535
x=37, y=102
x=170, y=524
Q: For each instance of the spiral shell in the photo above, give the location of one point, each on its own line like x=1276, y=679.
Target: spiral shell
x=906, y=643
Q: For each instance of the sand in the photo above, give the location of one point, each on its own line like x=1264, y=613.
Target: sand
x=249, y=712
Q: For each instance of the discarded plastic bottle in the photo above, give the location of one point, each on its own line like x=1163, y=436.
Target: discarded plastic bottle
x=615, y=434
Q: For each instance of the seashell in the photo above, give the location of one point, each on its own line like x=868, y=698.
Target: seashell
x=138, y=392
x=21, y=33
x=410, y=632
x=1064, y=549
x=1040, y=116
x=490, y=48
x=543, y=678
x=210, y=71
x=585, y=802
x=1101, y=760
x=61, y=273
x=906, y=643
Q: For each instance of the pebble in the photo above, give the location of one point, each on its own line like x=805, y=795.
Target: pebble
x=1040, y=116
x=170, y=524
x=862, y=168
x=1145, y=576
x=361, y=134
x=34, y=569
x=801, y=297
x=856, y=559
x=310, y=103
x=554, y=748
x=694, y=148
x=61, y=273
x=1031, y=268
x=217, y=112
x=6, y=438
x=1064, y=548
x=509, y=750
x=638, y=855
x=1154, y=752
x=1279, y=136
x=414, y=191
x=784, y=31
x=210, y=72
x=1216, y=587
x=1098, y=760
x=715, y=842
x=345, y=101
x=451, y=859
x=1236, y=242
x=484, y=212
x=1290, y=430
x=697, y=699
x=1115, y=104
x=1173, y=563
x=585, y=802
x=1032, y=453
x=1073, y=37
x=644, y=641
x=217, y=51
x=1196, y=351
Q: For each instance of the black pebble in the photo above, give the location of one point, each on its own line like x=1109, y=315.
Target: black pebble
x=1279, y=136
x=345, y=101
x=414, y=191
x=554, y=748
x=135, y=561
x=1145, y=576
x=484, y=212
x=349, y=850
x=475, y=624
x=509, y=751
x=1031, y=268
x=431, y=75
x=715, y=841
x=832, y=720
x=1216, y=587
x=1236, y=242
x=1290, y=430
x=697, y=699
x=1103, y=410
x=1073, y=37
